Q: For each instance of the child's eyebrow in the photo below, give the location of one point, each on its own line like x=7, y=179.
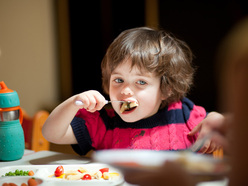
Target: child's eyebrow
x=137, y=73
x=144, y=75
x=115, y=73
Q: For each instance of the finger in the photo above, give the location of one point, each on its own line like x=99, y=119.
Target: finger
x=212, y=147
x=195, y=130
x=84, y=102
x=93, y=110
x=205, y=147
x=221, y=141
x=92, y=102
x=100, y=102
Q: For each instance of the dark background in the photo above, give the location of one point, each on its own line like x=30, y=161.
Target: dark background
x=201, y=24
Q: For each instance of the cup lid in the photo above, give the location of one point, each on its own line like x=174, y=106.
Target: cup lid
x=8, y=97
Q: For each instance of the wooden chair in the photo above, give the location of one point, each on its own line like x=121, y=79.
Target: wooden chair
x=32, y=127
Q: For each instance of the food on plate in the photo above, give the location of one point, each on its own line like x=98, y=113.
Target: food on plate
x=59, y=171
x=128, y=105
x=31, y=173
x=82, y=170
x=86, y=177
x=196, y=166
x=104, y=170
x=18, y=172
x=30, y=182
x=84, y=174
x=97, y=175
x=202, y=166
x=106, y=176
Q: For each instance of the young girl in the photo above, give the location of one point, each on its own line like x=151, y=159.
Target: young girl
x=150, y=71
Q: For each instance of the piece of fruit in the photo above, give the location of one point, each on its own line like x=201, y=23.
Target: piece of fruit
x=104, y=170
x=32, y=182
x=31, y=173
x=59, y=171
x=86, y=177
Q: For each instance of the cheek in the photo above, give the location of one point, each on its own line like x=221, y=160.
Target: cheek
x=150, y=97
x=112, y=92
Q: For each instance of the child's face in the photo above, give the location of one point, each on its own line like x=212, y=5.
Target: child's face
x=128, y=83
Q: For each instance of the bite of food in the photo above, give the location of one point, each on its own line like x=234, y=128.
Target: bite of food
x=128, y=106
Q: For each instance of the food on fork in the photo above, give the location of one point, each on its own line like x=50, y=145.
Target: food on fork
x=128, y=105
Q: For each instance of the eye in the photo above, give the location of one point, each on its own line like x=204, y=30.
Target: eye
x=118, y=80
x=140, y=82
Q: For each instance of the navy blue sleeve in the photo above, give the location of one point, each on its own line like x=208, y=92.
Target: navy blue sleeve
x=82, y=135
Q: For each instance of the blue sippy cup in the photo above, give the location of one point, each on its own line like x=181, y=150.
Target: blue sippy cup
x=12, y=142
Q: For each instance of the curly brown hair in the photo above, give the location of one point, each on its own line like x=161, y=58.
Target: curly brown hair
x=155, y=51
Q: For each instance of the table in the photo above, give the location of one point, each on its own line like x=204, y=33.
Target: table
x=46, y=158
x=56, y=158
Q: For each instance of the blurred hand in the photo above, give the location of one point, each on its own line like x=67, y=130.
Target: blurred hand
x=213, y=122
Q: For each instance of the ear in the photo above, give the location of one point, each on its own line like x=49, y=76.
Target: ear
x=166, y=95
x=163, y=97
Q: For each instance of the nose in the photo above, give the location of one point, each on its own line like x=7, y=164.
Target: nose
x=127, y=91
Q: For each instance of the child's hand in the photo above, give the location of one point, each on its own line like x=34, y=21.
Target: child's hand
x=213, y=122
x=92, y=100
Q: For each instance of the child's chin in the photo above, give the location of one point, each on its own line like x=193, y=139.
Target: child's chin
x=129, y=119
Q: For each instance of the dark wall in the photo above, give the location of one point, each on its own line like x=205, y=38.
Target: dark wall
x=86, y=41
x=202, y=24
x=94, y=25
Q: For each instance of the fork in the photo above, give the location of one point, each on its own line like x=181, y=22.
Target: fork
x=106, y=102
x=199, y=144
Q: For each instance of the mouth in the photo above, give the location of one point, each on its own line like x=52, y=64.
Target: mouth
x=128, y=106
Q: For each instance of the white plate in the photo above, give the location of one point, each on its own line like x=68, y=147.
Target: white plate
x=45, y=171
x=148, y=160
